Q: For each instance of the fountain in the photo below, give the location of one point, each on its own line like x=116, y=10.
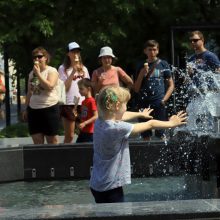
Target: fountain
x=169, y=170
x=203, y=117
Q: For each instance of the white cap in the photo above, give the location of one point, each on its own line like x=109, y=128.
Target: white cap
x=73, y=45
x=106, y=51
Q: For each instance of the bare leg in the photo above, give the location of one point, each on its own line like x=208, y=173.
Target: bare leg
x=69, y=128
x=52, y=139
x=38, y=138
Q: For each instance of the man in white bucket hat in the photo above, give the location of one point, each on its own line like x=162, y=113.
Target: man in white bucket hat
x=108, y=74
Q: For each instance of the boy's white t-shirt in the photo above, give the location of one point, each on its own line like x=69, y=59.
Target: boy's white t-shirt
x=111, y=159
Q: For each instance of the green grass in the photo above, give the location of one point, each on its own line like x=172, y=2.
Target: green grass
x=15, y=130
x=19, y=130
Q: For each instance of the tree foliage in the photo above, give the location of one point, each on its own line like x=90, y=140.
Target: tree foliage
x=122, y=24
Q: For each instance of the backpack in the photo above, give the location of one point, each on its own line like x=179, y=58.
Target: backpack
x=61, y=91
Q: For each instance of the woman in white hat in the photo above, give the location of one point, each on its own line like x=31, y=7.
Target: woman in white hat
x=108, y=74
x=71, y=71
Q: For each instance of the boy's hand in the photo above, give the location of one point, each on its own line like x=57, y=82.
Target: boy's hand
x=146, y=67
x=146, y=113
x=178, y=119
x=143, y=71
x=82, y=125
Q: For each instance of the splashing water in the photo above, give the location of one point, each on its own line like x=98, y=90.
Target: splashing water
x=203, y=109
x=200, y=95
x=165, y=139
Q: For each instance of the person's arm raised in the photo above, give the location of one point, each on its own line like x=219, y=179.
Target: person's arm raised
x=141, y=75
x=50, y=82
x=141, y=114
x=174, y=121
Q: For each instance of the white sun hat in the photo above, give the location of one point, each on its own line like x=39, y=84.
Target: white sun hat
x=106, y=51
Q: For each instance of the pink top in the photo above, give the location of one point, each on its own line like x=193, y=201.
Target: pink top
x=110, y=77
x=74, y=89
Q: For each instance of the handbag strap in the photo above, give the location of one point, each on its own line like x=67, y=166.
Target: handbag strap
x=150, y=72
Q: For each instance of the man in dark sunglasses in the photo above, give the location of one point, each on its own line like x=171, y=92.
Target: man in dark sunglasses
x=203, y=67
x=203, y=59
x=199, y=66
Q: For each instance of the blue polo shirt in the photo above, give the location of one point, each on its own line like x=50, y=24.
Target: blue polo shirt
x=154, y=88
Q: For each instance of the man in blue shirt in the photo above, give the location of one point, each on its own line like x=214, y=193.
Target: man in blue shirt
x=201, y=62
x=203, y=59
x=202, y=67
x=154, y=85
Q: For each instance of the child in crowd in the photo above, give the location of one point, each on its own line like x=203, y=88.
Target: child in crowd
x=88, y=112
x=111, y=159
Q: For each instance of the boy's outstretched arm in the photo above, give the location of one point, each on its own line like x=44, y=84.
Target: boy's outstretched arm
x=132, y=115
x=174, y=121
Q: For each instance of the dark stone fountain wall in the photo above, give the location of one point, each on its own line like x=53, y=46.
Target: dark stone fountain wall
x=182, y=154
x=74, y=161
x=11, y=164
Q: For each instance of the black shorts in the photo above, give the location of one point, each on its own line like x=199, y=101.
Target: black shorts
x=44, y=120
x=110, y=196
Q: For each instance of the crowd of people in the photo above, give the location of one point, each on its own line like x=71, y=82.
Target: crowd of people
x=99, y=106
x=152, y=84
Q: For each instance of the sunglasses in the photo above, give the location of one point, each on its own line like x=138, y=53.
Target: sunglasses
x=38, y=56
x=194, y=40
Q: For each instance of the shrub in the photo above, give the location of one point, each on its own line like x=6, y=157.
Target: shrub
x=15, y=130
x=20, y=130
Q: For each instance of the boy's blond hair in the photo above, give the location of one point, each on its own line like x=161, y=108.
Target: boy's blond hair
x=109, y=96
